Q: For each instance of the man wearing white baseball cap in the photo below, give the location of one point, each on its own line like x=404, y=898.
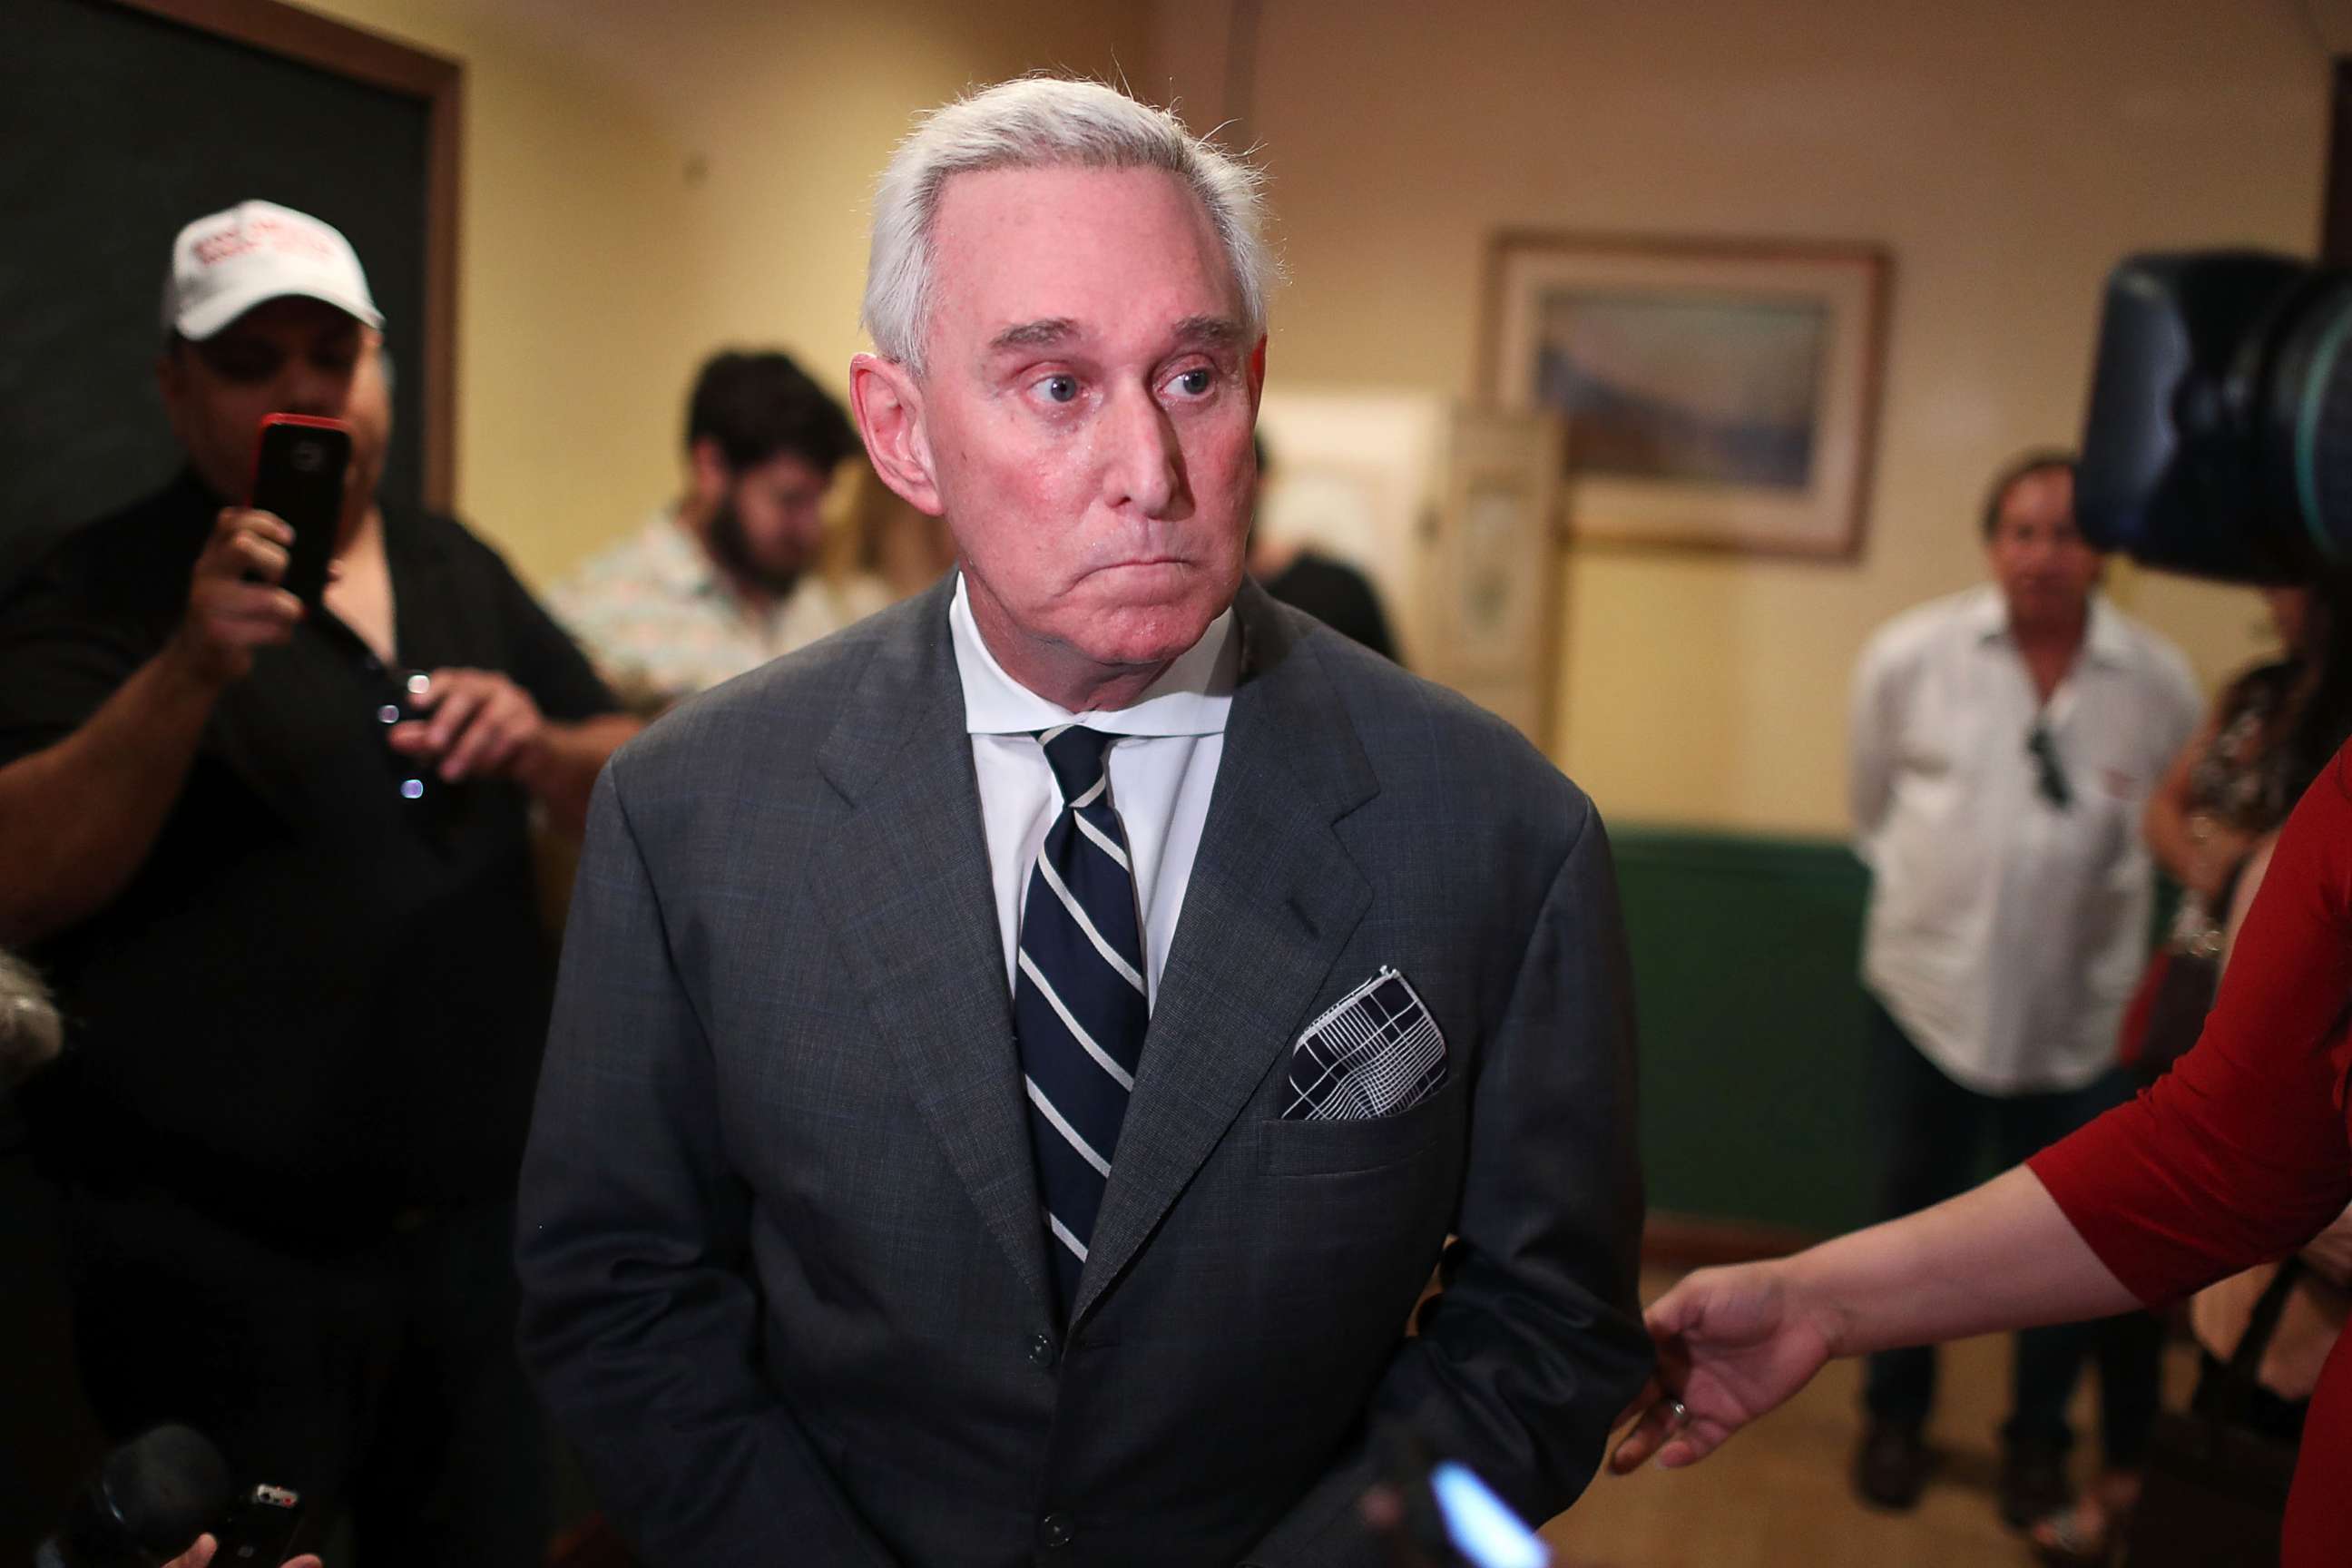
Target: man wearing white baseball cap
x=224, y=264
x=274, y=857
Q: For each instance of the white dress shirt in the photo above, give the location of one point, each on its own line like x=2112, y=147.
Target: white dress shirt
x=1162, y=771
x=2006, y=935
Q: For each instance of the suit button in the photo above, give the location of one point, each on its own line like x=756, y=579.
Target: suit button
x=1041, y=1351
x=1056, y=1530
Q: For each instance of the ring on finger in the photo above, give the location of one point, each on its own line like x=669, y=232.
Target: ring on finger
x=1678, y=1413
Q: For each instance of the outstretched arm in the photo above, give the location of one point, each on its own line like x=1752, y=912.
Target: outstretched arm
x=1735, y=1344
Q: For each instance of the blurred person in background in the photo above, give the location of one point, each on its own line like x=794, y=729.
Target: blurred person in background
x=2266, y=737
x=1330, y=590
x=2005, y=741
x=284, y=892
x=898, y=544
x=727, y=576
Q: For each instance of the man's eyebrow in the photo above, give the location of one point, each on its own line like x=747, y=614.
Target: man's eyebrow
x=1046, y=332
x=1054, y=331
x=1213, y=332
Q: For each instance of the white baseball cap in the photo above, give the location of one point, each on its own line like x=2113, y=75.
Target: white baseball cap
x=224, y=264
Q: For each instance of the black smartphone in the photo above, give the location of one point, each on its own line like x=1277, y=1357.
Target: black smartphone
x=259, y=1530
x=297, y=475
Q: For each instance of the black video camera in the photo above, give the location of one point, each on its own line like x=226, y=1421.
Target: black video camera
x=152, y=1497
x=2219, y=439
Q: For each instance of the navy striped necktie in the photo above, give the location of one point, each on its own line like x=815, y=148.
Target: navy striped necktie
x=1079, y=1007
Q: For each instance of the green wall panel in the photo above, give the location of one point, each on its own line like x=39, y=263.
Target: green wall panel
x=1745, y=957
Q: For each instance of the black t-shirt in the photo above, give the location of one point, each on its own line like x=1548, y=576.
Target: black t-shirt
x=1337, y=595
x=319, y=1002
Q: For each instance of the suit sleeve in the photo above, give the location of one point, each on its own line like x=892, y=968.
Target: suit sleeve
x=1536, y=1343
x=640, y=1323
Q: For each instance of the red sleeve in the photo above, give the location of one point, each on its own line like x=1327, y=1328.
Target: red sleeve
x=2239, y=1154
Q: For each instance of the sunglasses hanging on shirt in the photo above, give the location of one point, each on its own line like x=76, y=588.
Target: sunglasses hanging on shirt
x=2049, y=776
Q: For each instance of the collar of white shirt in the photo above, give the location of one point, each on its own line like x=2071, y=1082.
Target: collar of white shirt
x=1191, y=697
x=2104, y=641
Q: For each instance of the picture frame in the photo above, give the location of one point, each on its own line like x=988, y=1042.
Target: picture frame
x=1717, y=395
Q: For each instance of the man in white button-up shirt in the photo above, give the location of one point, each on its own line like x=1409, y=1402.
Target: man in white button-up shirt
x=2004, y=742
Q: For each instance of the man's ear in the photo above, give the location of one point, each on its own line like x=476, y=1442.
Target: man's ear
x=888, y=401
x=708, y=474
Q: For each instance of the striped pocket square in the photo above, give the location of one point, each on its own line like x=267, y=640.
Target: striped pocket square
x=1375, y=1053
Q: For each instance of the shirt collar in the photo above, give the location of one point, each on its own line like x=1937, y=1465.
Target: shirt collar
x=2105, y=638
x=1192, y=696
x=678, y=559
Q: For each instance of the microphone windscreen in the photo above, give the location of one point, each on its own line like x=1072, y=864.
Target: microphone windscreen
x=167, y=1487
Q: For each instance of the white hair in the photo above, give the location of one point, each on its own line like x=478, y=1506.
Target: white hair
x=1043, y=122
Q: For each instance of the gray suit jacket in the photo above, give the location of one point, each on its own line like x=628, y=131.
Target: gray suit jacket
x=784, y=1270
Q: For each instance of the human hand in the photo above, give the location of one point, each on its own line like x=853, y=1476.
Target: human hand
x=478, y=723
x=1733, y=1345
x=201, y=1554
x=234, y=604
x=2329, y=1253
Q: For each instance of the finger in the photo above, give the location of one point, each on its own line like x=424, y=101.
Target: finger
x=455, y=712
x=483, y=739
x=413, y=738
x=1652, y=1392
x=264, y=601
x=425, y=697
x=236, y=520
x=256, y=603
x=440, y=683
x=251, y=556
x=306, y=1561
x=1650, y=1434
x=1693, y=1443
x=196, y=1556
x=1670, y=1314
x=499, y=747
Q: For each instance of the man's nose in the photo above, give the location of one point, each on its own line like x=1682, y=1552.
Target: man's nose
x=1145, y=471
x=304, y=388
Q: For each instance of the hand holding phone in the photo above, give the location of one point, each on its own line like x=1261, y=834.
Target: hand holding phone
x=298, y=477
x=259, y=1530
x=235, y=604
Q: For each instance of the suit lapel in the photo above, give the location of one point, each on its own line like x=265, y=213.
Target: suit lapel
x=906, y=890
x=1274, y=898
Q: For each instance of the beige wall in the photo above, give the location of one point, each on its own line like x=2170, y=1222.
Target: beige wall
x=645, y=181
x=2006, y=152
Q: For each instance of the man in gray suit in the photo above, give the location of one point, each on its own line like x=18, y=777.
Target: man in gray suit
x=1018, y=1060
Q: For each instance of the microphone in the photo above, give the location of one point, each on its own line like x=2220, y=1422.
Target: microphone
x=149, y=1502
x=30, y=1030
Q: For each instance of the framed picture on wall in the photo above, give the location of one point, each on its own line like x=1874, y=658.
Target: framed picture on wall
x=1717, y=395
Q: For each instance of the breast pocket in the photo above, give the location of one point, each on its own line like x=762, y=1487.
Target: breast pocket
x=1343, y=1146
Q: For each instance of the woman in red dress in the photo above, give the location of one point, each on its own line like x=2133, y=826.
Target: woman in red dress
x=2239, y=1156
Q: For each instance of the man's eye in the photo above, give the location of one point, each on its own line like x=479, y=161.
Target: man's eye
x=1060, y=388
x=246, y=367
